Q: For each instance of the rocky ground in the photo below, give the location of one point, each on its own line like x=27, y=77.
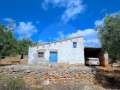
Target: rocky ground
x=55, y=77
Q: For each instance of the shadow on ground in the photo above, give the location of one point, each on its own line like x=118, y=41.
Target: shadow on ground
x=108, y=79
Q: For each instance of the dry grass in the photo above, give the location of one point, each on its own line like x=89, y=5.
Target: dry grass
x=9, y=82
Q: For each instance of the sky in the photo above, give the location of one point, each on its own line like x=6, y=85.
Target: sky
x=48, y=20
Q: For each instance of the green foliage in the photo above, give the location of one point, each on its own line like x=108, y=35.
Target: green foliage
x=110, y=36
x=7, y=42
x=23, y=46
x=10, y=46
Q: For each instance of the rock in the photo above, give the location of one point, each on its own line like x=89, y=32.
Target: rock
x=46, y=82
x=27, y=71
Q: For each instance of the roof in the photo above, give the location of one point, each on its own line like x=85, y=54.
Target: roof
x=92, y=49
x=65, y=39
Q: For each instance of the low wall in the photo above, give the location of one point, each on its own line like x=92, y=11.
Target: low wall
x=13, y=60
x=54, y=74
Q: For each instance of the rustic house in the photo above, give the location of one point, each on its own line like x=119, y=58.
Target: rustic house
x=70, y=51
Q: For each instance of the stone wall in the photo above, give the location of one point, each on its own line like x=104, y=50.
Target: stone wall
x=104, y=59
x=52, y=74
x=55, y=76
x=13, y=60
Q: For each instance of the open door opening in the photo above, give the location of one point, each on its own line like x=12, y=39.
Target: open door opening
x=93, y=56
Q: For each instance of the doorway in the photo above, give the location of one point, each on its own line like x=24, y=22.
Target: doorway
x=53, y=58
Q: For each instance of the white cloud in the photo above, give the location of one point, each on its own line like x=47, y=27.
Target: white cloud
x=83, y=33
x=25, y=30
x=8, y=19
x=90, y=37
x=93, y=42
x=61, y=35
x=10, y=23
x=72, y=8
x=99, y=22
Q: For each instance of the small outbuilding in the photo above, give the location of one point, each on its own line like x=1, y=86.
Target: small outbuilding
x=69, y=51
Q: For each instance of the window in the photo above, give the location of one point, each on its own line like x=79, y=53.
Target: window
x=74, y=44
x=40, y=54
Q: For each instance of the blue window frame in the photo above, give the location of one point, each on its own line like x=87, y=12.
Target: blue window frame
x=74, y=44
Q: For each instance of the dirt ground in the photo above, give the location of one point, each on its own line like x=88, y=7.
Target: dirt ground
x=58, y=77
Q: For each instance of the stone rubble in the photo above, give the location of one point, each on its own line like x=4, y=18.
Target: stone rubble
x=50, y=75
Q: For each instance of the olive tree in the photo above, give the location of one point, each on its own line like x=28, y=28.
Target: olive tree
x=110, y=35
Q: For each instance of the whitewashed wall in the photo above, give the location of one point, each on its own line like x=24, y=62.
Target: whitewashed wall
x=66, y=52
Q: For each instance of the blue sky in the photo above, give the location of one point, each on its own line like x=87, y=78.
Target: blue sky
x=46, y=20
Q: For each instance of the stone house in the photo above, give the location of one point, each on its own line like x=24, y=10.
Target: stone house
x=70, y=51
